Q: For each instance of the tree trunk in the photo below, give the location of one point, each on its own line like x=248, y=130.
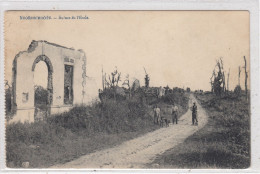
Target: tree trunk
x=246, y=76
x=224, y=82
x=239, y=71
x=103, y=83
x=228, y=80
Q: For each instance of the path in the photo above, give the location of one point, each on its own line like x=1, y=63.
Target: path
x=136, y=153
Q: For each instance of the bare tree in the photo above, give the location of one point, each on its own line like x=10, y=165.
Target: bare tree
x=112, y=82
x=246, y=76
x=221, y=66
x=218, y=78
x=213, y=76
x=228, y=80
x=103, y=79
x=107, y=85
x=113, y=79
x=239, y=71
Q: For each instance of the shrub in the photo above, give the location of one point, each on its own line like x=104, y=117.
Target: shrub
x=116, y=93
x=179, y=98
x=223, y=143
x=8, y=102
x=64, y=136
x=237, y=91
x=109, y=116
x=41, y=95
x=233, y=119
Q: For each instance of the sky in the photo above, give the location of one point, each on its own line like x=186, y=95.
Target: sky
x=177, y=48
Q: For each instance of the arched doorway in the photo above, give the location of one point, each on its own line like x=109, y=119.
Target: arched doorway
x=43, y=95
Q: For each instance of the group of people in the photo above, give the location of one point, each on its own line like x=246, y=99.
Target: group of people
x=174, y=113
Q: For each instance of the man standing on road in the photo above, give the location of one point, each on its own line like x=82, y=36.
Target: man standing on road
x=194, y=114
x=157, y=116
x=175, y=114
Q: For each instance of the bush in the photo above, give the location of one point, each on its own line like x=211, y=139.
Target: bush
x=223, y=143
x=178, y=98
x=233, y=119
x=237, y=91
x=81, y=130
x=109, y=116
x=116, y=93
x=40, y=95
x=8, y=104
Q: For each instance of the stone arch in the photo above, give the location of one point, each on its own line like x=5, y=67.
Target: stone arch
x=50, y=76
x=45, y=59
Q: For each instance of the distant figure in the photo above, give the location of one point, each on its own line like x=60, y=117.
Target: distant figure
x=194, y=114
x=100, y=94
x=175, y=110
x=157, y=116
x=167, y=122
x=162, y=120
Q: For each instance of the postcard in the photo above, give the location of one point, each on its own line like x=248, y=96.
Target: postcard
x=127, y=89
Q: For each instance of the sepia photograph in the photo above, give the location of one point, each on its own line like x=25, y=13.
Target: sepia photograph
x=127, y=89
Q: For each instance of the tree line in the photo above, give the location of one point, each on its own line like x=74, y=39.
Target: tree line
x=219, y=83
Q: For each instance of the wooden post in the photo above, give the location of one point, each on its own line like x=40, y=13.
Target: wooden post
x=224, y=81
x=103, y=85
x=246, y=76
x=105, y=80
x=129, y=87
x=223, y=75
x=228, y=80
x=212, y=80
x=239, y=71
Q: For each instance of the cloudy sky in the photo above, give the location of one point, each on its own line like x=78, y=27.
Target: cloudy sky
x=177, y=48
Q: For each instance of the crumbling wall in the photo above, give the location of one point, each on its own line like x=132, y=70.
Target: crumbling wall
x=55, y=57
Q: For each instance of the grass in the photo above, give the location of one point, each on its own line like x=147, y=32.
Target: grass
x=69, y=135
x=223, y=143
x=82, y=130
x=60, y=146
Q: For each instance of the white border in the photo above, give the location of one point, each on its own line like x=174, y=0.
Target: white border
x=251, y=5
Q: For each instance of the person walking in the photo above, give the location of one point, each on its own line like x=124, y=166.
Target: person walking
x=175, y=111
x=157, y=111
x=194, y=114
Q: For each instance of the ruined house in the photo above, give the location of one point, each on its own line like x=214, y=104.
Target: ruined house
x=68, y=84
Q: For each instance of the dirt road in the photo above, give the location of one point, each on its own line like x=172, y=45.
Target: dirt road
x=137, y=152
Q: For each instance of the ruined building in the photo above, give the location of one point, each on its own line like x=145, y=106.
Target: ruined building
x=67, y=86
